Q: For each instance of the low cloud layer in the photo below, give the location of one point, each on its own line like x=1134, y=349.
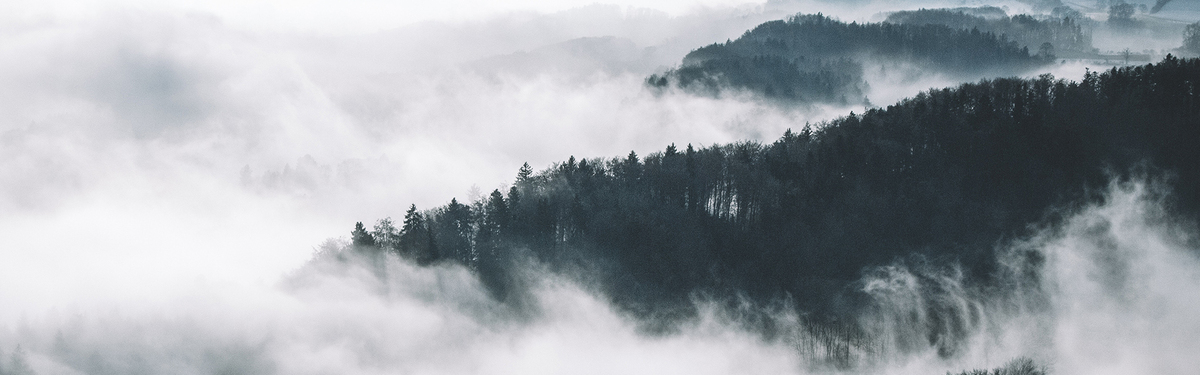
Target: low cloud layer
x=1111, y=296
x=166, y=145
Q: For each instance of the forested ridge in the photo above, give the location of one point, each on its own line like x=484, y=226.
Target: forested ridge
x=1049, y=37
x=814, y=58
x=945, y=175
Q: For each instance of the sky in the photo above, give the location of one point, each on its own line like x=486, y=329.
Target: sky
x=174, y=141
x=338, y=17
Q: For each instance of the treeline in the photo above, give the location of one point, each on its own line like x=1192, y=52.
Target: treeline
x=1017, y=366
x=813, y=58
x=947, y=174
x=1065, y=36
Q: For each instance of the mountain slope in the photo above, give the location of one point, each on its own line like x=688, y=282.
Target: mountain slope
x=813, y=58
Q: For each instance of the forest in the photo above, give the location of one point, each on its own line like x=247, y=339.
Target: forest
x=942, y=178
x=1064, y=36
x=816, y=59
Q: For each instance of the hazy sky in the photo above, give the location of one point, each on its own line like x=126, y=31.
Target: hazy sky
x=147, y=144
x=337, y=17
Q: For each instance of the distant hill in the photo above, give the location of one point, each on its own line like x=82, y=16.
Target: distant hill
x=1067, y=35
x=816, y=59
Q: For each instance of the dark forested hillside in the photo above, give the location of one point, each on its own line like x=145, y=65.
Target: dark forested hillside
x=947, y=174
x=813, y=58
x=1064, y=36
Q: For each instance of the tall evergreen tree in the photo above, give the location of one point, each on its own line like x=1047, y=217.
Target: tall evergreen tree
x=495, y=220
x=454, y=232
x=524, y=175
x=360, y=238
x=415, y=239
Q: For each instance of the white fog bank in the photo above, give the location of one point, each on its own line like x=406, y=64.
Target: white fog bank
x=170, y=142
x=1113, y=295
x=145, y=148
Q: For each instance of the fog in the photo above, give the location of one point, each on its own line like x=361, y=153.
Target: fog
x=1111, y=296
x=165, y=170
x=1108, y=294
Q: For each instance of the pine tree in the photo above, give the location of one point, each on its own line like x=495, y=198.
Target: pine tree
x=454, y=232
x=360, y=238
x=414, y=236
x=495, y=217
x=494, y=221
x=525, y=174
x=631, y=168
x=514, y=198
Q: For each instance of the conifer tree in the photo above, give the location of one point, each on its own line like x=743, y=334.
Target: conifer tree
x=524, y=174
x=415, y=241
x=454, y=232
x=360, y=238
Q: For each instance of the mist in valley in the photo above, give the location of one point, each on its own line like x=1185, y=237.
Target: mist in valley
x=178, y=185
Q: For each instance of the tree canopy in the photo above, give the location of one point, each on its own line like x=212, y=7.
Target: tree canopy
x=1067, y=34
x=814, y=58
